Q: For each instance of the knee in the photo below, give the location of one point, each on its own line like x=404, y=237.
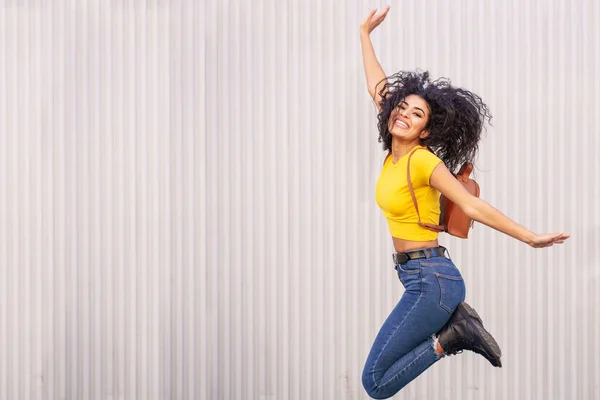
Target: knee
x=371, y=386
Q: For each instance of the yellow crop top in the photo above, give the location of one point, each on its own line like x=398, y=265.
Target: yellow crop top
x=394, y=199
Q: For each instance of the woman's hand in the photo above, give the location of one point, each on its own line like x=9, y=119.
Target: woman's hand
x=539, y=241
x=372, y=21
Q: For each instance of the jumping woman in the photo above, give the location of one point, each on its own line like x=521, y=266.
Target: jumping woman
x=434, y=128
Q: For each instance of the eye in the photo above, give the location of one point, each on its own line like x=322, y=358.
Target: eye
x=417, y=114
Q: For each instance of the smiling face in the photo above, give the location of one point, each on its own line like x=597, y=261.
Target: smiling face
x=409, y=119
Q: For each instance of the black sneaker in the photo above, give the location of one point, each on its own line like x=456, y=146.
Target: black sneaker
x=465, y=331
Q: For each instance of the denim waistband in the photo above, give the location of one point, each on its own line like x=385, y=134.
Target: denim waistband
x=422, y=253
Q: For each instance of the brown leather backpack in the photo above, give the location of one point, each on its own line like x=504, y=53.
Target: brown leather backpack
x=452, y=219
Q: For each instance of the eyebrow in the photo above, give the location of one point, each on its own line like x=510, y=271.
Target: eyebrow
x=404, y=102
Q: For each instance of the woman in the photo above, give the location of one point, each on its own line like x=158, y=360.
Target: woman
x=436, y=127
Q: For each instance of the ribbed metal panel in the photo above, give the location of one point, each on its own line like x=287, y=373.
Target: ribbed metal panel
x=187, y=197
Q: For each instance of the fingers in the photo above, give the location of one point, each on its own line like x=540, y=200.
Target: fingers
x=369, y=17
x=381, y=17
x=556, y=238
x=385, y=10
x=560, y=237
x=378, y=18
x=549, y=240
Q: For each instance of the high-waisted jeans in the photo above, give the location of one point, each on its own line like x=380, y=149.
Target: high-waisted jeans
x=404, y=347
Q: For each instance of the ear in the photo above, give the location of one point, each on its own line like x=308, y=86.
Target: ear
x=424, y=133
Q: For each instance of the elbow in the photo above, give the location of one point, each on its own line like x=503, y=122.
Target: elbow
x=471, y=211
x=476, y=209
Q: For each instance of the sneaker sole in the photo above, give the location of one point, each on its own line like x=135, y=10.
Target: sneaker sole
x=493, y=347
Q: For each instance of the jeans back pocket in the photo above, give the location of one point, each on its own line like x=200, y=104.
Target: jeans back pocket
x=452, y=291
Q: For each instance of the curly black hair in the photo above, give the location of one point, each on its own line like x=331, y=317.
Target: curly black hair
x=456, y=121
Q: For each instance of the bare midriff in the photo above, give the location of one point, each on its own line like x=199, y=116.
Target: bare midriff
x=402, y=245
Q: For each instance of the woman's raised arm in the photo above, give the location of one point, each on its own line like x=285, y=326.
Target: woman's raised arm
x=376, y=78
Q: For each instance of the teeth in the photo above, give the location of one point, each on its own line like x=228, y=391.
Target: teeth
x=401, y=124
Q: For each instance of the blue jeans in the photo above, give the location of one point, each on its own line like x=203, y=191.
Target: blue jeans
x=404, y=347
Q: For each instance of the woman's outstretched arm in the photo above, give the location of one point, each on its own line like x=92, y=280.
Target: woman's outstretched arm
x=480, y=211
x=375, y=76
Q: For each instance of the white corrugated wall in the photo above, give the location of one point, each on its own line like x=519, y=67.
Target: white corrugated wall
x=187, y=197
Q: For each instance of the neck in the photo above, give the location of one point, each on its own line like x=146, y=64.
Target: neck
x=400, y=149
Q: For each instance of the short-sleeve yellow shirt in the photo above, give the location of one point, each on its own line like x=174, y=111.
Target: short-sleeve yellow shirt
x=394, y=199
